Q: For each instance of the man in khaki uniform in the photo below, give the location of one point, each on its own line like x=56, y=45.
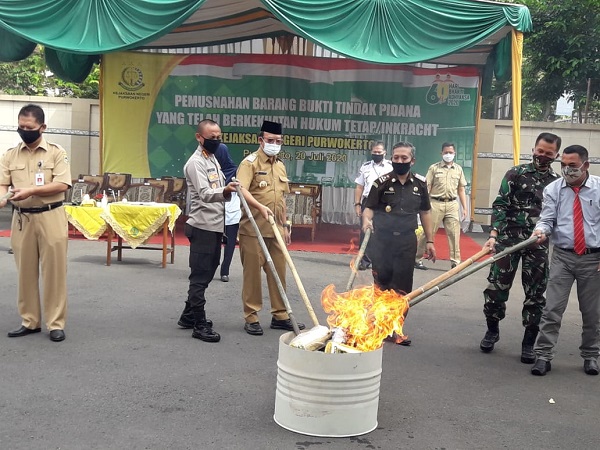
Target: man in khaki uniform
x=445, y=181
x=264, y=185
x=39, y=174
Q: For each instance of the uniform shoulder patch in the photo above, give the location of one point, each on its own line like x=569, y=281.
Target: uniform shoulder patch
x=420, y=177
x=383, y=178
x=251, y=157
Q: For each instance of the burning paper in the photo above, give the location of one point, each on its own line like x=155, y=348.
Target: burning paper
x=366, y=314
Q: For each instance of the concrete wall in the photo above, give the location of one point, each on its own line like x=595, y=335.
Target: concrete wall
x=495, y=153
x=64, y=116
x=67, y=115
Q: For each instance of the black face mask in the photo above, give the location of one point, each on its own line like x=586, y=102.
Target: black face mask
x=401, y=168
x=542, y=162
x=29, y=136
x=376, y=158
x=211, y=145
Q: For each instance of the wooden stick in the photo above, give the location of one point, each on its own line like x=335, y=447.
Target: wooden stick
x=359, y=256
x=459, y=276
x=463, y=265
x=288, y=258
x=265, y=251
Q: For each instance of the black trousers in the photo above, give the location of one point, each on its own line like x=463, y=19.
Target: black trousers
x=205, y=254
x=231, y=232
x=393, y=260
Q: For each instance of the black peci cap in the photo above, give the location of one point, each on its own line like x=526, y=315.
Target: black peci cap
x=271, y=127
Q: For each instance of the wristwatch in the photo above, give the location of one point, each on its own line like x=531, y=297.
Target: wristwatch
x=288, y=225
x=357, y=204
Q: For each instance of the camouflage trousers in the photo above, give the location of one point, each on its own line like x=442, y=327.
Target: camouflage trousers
x=534, y=276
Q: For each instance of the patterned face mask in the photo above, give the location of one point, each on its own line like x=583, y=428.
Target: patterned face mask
x=572, y=174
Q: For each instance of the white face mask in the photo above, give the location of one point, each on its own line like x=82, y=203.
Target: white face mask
x=572, y=174
x=448, y=157
x=271, y=149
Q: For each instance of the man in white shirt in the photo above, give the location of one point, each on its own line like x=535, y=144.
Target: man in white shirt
x=367, y=174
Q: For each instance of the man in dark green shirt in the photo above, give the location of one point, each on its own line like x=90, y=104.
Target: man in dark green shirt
x=515, y=213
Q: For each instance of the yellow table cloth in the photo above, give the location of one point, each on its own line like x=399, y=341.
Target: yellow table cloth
x=136, y=223
x=87, y=220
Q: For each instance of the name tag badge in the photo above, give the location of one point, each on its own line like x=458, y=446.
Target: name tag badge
x=39, y=179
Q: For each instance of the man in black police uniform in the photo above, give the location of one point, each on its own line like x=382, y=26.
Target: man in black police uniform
x=391, y=212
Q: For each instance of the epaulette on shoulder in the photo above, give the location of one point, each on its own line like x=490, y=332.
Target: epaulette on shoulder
x=383, y=178
x=420, y=177
x=56, y=145
x=366, y=163
x=251, y=157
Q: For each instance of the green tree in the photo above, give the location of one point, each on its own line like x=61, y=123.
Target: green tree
x=31, y=77
x=559, y=56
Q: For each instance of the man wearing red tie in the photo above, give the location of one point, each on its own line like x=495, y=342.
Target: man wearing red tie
x=571, y=213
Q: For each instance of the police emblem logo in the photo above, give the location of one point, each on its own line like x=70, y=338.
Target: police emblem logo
x=388, y=208
x=415, y=189
x=391, y=189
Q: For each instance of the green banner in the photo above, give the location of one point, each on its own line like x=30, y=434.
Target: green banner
x=331, y=111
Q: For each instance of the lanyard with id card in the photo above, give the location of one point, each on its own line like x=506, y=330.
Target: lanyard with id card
x=39, y=175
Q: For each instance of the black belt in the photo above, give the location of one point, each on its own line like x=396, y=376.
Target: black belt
x=39, y=209
x=586, y=252
x=444, y=199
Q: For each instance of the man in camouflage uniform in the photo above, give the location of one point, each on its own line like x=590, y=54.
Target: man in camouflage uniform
x=516, y=210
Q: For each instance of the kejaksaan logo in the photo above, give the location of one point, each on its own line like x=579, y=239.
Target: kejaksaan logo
x=446, y=91
x=132, y=79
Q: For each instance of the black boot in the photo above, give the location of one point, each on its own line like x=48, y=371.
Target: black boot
x=492, y=335
x=527, y=354
x=187, y=318
x=203, y=330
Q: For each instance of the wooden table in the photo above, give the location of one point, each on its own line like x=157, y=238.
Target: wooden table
x=132, y=223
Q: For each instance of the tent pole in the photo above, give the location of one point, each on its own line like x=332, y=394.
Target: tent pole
x=475, y=156
x=516, y=66
x=101, y=96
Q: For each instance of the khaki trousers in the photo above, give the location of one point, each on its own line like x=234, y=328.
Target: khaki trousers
x=446, y=213
x=253, y=260
x=39, y=241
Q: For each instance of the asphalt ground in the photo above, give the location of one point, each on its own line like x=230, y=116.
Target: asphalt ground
x=127, y=377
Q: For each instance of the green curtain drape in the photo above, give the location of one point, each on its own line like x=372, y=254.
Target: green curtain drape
x=398, y=31
x=75, y=32
x=90, y=27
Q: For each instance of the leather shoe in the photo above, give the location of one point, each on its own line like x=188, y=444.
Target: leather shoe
x=590, y=366
x=205, y=333
x=285, y=325
x=23, y=331
x=224, y=278
x=253, y=328
x=540, y=367
x=453, y=265
x=419, y=265
x=57, y=335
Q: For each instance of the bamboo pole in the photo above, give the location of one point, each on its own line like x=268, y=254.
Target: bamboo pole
x=288, y=258
x=474, y=268
x=359, y=256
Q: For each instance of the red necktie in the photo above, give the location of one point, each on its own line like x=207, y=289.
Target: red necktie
x=578, y=224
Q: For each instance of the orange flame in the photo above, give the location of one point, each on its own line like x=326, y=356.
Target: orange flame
x=367, y=314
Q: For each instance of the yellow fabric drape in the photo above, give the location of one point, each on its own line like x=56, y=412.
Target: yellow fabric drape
x=138, y=223
x=87, y=220
x=517, y=61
